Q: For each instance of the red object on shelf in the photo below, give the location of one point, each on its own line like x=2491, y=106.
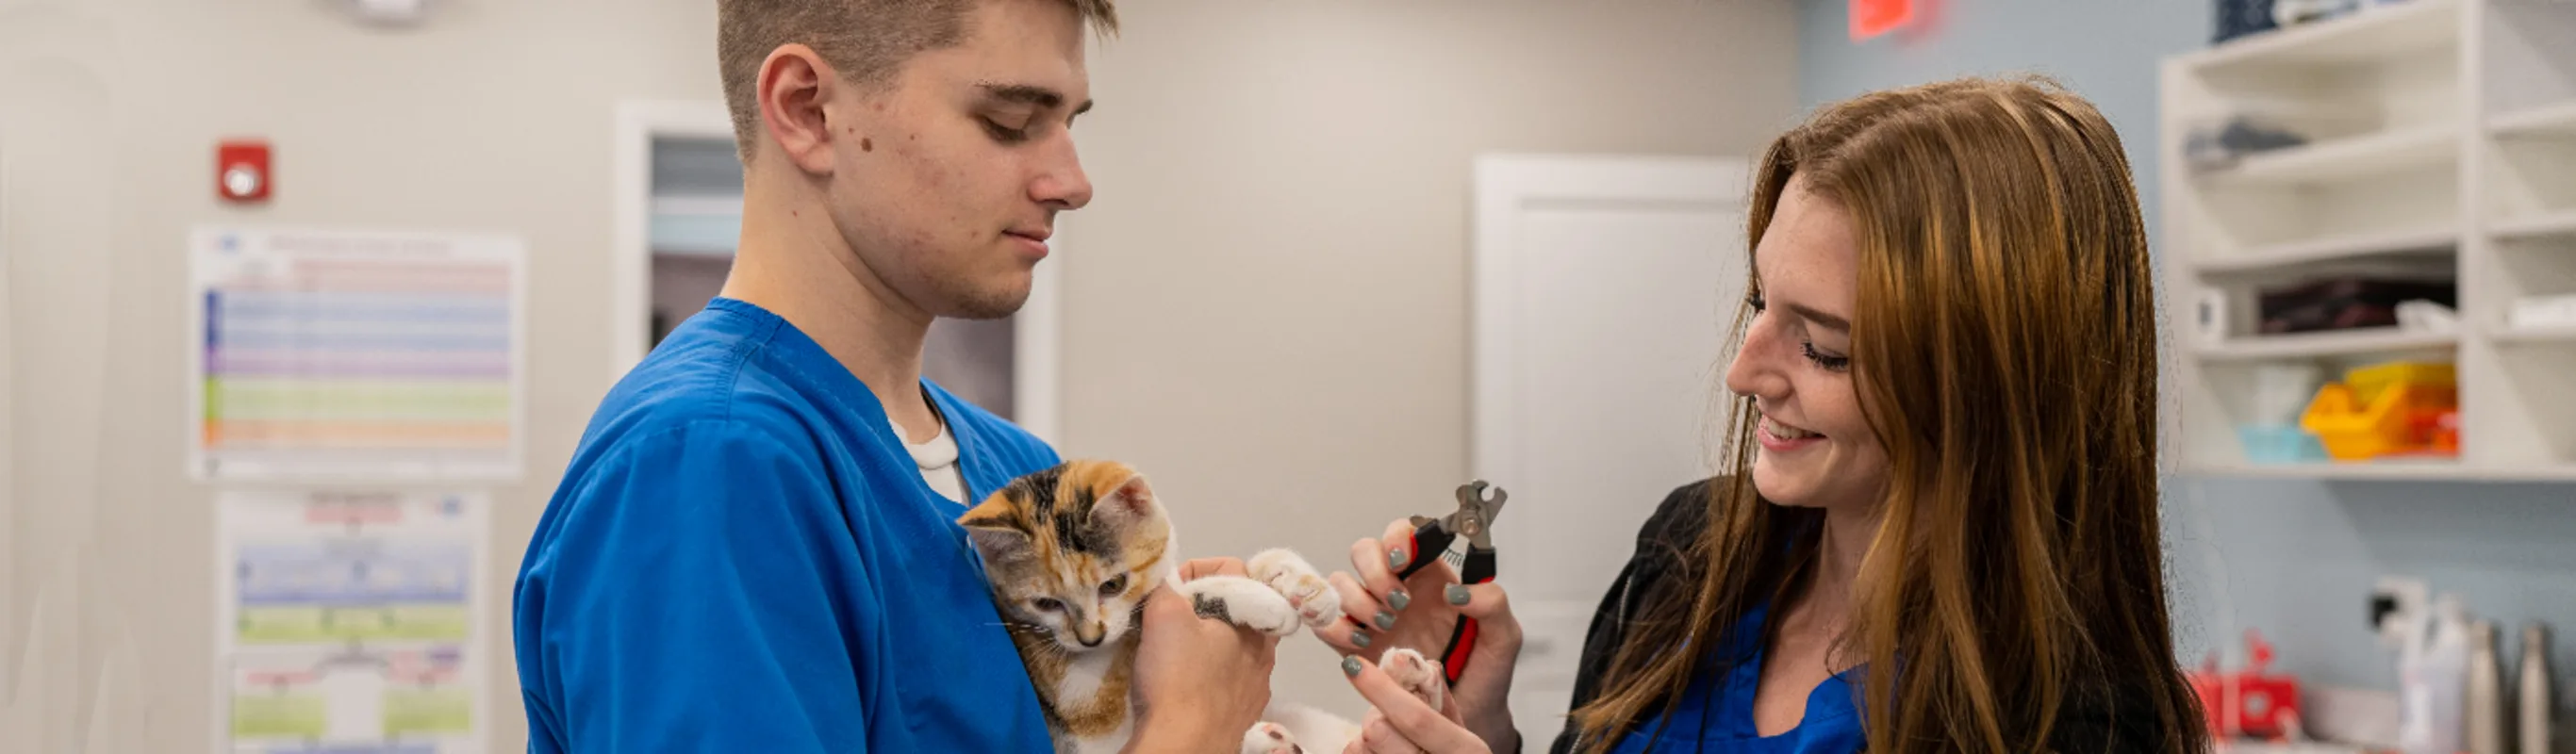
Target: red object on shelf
x=2246, y=703
x=2446, y=432
x=242, y=171
x=2431, y=433
x=1870, y=18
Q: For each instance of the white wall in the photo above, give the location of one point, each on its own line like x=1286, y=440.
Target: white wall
x=1267, y=302
x=1266, y=308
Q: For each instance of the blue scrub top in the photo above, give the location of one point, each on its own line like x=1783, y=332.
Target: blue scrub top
x=1716, y=712
x=743, y=557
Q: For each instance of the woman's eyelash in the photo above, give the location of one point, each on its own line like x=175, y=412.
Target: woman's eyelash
x=1830, y=363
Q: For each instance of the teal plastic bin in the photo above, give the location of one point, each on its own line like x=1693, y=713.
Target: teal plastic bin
x=2280, y=444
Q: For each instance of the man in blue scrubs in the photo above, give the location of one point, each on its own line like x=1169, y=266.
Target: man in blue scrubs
x=753, y=549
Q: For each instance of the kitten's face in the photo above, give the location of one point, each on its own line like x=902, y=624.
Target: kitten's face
x=1072, y=550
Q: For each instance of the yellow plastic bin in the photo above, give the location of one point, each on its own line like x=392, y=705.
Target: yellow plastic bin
x=2353, y=430
x=2367, y=381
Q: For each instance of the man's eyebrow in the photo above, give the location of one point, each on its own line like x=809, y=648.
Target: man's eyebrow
x=1027, y=94
x=1830, y=322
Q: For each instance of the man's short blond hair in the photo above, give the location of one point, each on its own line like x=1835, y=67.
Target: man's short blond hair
x=867, y=40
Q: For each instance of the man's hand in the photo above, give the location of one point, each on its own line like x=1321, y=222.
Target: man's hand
x=1202, y=682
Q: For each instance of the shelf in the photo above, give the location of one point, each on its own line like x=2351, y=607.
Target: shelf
x=695, y=235
x=727, y=205
x=2336, y=343
x=2442, y=238
x=2371, y=36
x=2404, y=470
x=2554, y=121
x=2561, y=335
x=696, y=225
x=2338, y=159
x=2538, y=226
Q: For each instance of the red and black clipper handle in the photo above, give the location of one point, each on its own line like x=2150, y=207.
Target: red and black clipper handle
x=1430, y=542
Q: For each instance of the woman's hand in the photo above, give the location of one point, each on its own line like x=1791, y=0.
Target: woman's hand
x=1399, y=723
x=1420, y=613
x=1201, y=682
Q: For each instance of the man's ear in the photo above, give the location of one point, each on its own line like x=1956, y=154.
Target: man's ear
x=795, y=87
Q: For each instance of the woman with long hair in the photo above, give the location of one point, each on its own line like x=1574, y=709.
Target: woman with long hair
x=1936, y=524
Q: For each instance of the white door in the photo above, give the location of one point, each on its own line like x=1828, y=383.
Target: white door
x=1603, y=288
x=679, y=213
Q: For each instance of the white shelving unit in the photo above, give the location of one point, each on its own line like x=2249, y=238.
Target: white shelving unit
x=2534, y=335
x=2557, y=120
x=2391, y=152
x=2397, y=30
x=2439, y=141
x=2535, y=226
x=2320, y=345
x=2435, y=239
x=2411, y=470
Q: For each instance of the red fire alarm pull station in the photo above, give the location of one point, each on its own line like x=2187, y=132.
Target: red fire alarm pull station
x=1870, y=18
x=242, y=171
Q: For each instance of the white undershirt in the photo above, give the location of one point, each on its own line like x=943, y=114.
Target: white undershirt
x=937, y=459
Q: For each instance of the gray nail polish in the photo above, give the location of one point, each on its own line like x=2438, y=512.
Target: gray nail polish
x=1398, y=599
x=1351, y=666
x=1360, y=640
x=1458, y=594
x=1395, y=558
x=1385, y=620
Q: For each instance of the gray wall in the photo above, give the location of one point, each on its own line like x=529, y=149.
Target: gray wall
x=2294, y=559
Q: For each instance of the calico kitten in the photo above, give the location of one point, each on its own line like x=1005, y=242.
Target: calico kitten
x=1071, y=553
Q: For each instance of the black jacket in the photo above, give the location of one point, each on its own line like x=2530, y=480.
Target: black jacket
x=2115, y=720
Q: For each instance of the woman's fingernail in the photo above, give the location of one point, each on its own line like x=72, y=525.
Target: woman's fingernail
x=1360, y=640
x=1351, y=666
x=1458, y=594
x=1398, y=599
x=1385, y=620
x=1395, y=558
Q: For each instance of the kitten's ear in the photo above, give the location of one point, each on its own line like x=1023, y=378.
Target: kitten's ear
x=998, y=543
x=996, y=532
x=1130, y=503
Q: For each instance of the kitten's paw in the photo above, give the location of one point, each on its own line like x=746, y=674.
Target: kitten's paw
x=1269, y=738
x=1417, y=674
x=1317, y=603
x=1242, y=602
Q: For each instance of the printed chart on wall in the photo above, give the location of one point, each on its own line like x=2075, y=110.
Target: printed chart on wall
x=350, y=622
x=355, y=355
